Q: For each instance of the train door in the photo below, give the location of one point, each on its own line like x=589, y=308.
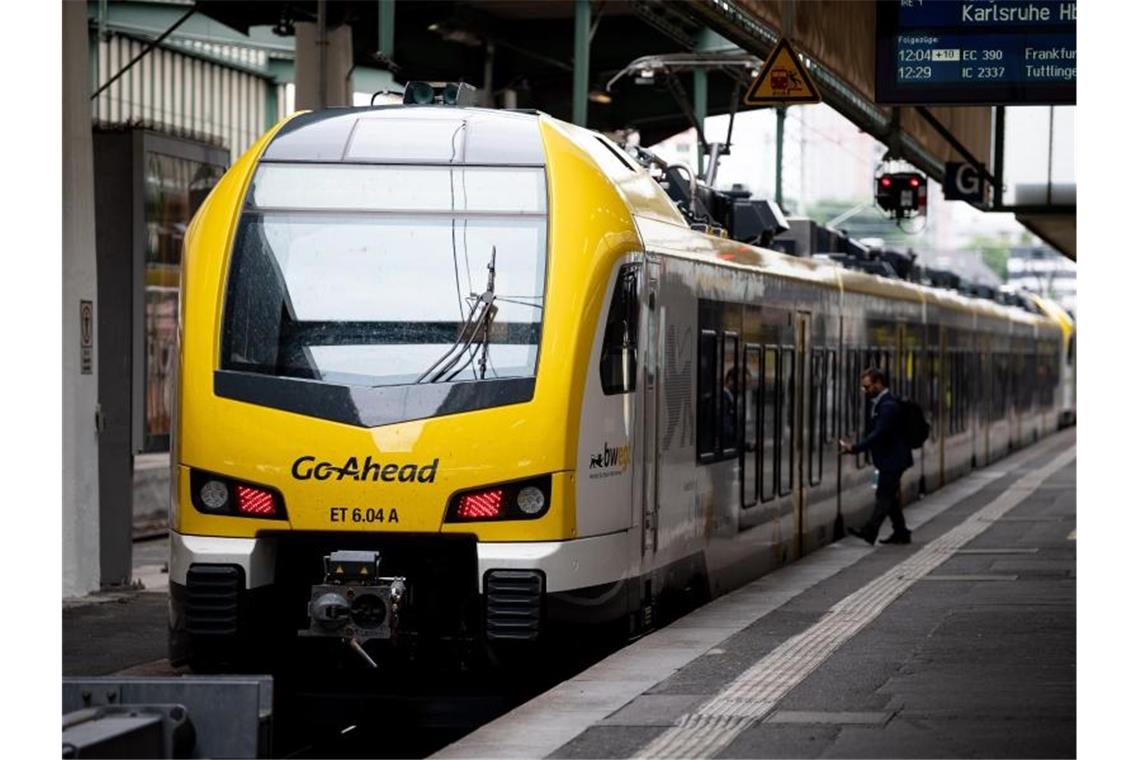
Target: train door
x=986, y=395
x=938, y=398
x=900, y=374
x=800, y=396
x=654, y=315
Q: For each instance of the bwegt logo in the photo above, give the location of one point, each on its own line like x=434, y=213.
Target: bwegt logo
x=617, y=456
x=308, y=468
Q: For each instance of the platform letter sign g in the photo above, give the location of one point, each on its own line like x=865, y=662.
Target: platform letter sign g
x=962, y=183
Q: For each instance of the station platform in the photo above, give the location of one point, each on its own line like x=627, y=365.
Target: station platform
x=961, y=644
x=122, y=632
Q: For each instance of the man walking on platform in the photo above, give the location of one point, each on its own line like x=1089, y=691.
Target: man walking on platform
x=891, y=455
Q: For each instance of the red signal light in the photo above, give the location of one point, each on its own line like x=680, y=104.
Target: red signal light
x=481, y=505
x=254, y=501
x=914, y=181
x=885, y=181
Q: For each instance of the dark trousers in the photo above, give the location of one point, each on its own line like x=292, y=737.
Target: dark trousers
x=887, y=504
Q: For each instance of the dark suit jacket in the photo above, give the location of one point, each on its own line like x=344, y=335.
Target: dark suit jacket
x=888, y=446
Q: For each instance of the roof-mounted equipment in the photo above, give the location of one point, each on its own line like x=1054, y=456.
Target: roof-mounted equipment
x=418, y=93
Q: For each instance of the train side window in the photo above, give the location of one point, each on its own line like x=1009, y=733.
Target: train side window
x=729, y=394
x=934, y=367
x=831, y=382
x=983, y=368
x=817, y=414
x=1000, y=408
x=987, y=385
x=963, y=389
x=948, y=387
x=908, y=374
x=920, y=384
x=1046, y=373
x=964, y=386
x=812, y=413
x=862, y=403
x=967, y=385
x=787, y=417
x=769, y=423
x=1029, y=373
x=707, y=366
x=752, y=384
x=997, y=403
x=619, y=344
x=1026, y=385
x=949, y=390
x=1010, y=370
x=960, y=402
x=851, y=394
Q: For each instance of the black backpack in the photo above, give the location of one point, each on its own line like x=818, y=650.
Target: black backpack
x=915, y=427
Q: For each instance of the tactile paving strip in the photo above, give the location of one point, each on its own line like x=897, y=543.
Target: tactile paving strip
x=755, y=693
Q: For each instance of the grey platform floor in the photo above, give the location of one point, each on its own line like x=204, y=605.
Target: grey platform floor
x=123, y=630
x=976, y=659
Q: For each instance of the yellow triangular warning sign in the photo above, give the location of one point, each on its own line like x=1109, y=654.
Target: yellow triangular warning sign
x=782, y=81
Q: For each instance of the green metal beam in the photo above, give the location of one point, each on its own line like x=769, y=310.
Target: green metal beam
x=781, y=114
x=387, y=31
x=581, y=60
x=700, y=109
x=270, y=104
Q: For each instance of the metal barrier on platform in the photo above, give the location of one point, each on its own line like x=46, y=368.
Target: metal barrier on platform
x=187, y=716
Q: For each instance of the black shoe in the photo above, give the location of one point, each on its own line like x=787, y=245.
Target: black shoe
x=862, y=535
x=897, y=538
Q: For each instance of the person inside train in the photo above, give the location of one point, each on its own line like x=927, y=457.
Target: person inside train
x=890, y=454
x=728, y=409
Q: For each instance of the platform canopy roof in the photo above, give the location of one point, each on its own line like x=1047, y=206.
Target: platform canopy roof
x=533, y=44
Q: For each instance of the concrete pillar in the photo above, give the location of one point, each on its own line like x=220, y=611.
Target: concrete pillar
x=80, y=339
x=337, y=69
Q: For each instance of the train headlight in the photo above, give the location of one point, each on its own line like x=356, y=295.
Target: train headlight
x=518, y=500
x=530, y=500
x=219, y=495
x=215, y=495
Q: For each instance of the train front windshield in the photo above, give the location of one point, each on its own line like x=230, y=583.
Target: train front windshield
x=368, y=274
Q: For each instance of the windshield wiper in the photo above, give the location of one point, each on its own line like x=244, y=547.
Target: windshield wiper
x=475, y=334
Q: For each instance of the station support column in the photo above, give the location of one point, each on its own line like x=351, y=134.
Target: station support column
x=386, y=31
x=80, y=339
x=700, y=110
x=324, y=63
x=581, y=60
x=781, y=115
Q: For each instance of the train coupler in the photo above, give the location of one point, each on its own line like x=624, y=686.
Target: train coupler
x=355, y=603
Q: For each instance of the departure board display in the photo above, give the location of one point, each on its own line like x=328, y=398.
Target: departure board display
x=955, y=52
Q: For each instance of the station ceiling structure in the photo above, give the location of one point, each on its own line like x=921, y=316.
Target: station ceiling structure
x=529, y=47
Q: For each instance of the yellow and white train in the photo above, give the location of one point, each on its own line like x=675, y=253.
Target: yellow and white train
x=461, y=375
